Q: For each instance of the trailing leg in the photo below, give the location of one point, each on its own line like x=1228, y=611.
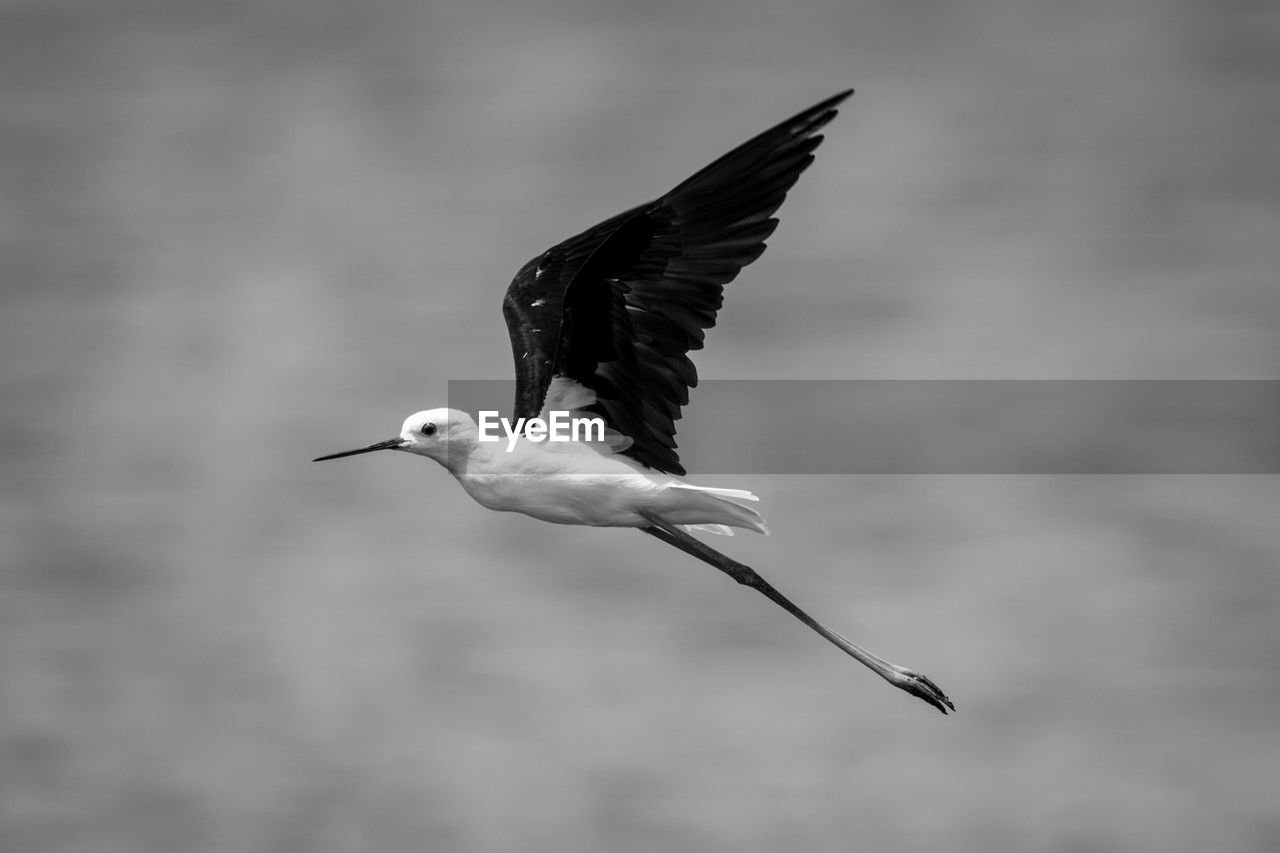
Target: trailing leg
x=905, y=679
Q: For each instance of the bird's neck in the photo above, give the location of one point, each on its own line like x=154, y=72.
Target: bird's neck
x=461, y=452
x=476, y=460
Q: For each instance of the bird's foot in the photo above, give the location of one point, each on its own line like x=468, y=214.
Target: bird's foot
x=920, y=686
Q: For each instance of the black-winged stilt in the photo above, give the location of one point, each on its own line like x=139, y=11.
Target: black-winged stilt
x=601, y=326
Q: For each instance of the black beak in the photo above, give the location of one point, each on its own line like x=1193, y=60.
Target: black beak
x=389, y=444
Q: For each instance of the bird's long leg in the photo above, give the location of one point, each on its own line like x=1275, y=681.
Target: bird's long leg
x=899, y=676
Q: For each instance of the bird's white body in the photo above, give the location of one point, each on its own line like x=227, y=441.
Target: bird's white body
x=573, y=482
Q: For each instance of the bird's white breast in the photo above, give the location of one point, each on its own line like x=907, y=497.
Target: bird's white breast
x=565, y=484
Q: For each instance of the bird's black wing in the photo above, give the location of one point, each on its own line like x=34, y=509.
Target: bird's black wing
x=618, y=307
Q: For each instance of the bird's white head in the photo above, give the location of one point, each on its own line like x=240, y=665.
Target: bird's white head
x=434, y=433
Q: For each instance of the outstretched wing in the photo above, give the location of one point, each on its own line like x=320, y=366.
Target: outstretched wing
x=618, y=307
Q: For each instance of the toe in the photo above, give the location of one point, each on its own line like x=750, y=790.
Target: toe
x=922, y=687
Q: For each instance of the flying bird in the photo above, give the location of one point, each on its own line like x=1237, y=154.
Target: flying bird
x=601, y=328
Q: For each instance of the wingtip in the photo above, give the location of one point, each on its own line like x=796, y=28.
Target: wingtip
x=838, y=98
x=822, y=112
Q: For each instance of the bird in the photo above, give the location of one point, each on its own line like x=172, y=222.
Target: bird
x=601, y=328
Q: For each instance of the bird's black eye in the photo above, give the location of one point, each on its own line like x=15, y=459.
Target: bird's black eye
x=428, y=429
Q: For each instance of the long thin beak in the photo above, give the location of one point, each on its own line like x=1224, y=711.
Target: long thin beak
x=389, y=444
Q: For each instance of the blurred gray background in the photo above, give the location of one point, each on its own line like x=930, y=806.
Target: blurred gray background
x=239, y=235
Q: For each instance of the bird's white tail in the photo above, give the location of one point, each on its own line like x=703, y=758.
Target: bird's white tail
x=715, y=510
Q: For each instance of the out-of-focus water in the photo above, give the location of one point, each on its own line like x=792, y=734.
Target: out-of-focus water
x=240, y=235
